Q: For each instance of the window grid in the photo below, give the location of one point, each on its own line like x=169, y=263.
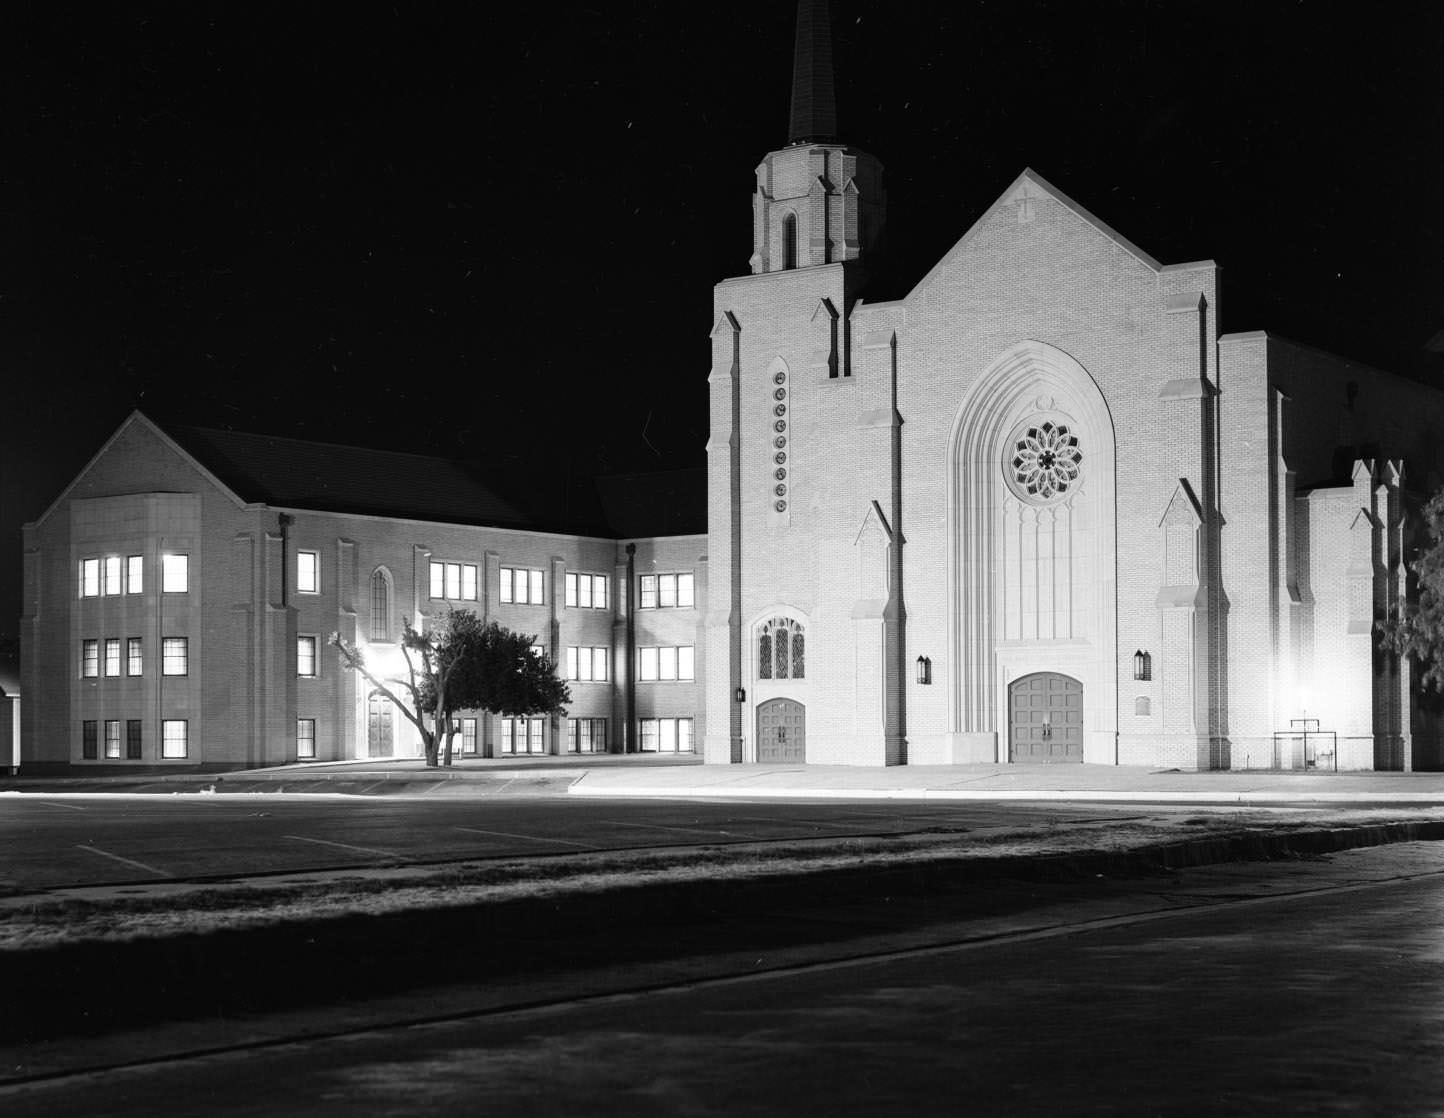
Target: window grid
x=305, y=739
x=522, y=586
x=454, y=581
x=308, y=572
x=468, y=735
x=134, y=656
x=112, y=574
x=173, y=738
x=780, y=650
x=587, y=664
x=112, y=657
x=89, y=659
x=667, y=663
x=174, y=656
x=668, y=591
x=175, y=574
x=134, y=574
x=585, y=591
x=133, y=750
x=523, y=735
x=667, y=735
x=88, y=738
x=380, y=606
x=586, y=735
x=112, y=739
x=306, y=657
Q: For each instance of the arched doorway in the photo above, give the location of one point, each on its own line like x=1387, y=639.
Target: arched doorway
x=1045, y=718
x=380, y=730
x=781, y=732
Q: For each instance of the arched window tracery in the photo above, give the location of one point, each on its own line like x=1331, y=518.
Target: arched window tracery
x=781, y=649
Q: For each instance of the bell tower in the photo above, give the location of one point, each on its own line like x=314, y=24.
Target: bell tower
x=817, y=201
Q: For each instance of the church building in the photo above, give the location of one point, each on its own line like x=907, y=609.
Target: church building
x=1041, y=507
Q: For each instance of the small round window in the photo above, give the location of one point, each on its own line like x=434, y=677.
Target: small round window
x=1044, y=461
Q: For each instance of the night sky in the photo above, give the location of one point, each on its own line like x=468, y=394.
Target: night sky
x=494, y=235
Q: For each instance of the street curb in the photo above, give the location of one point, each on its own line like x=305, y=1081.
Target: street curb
x=90, y=988
x=634, y=791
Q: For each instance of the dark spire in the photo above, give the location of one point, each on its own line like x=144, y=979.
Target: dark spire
x=814, y=104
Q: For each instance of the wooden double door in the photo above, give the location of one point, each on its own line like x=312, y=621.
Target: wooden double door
x=781, y=732
x=1045, y=718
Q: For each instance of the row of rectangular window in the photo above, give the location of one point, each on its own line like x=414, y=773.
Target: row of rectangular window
x=586, y=591
x=674, y=591
x=174, y=735
x=174, y=657
x=677, y=663
x=113, y=575
x=666, y=735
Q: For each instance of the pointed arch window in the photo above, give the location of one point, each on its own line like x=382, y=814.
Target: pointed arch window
x=789, y=241
x=780, y=650
x=380, y=604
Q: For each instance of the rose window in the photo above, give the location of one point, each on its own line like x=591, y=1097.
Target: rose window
x=1046, y=461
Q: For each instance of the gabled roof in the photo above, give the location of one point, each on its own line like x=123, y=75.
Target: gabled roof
x=1030, y=184
x=295, y=473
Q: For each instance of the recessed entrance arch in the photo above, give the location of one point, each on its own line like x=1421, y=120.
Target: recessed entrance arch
x=1045, y=718
x=781, y=732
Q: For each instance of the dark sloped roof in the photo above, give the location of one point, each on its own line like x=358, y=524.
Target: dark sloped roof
x=662, y=504
x=294, y=473
x=297, y=473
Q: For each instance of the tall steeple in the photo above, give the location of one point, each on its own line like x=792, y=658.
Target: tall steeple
x=814, y=99
x=818, y=201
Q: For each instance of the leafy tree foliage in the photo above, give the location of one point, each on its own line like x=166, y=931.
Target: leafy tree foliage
x=1418, y=631
x=461, y=663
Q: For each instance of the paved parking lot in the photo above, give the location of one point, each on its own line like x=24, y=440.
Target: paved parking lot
x=55, y=841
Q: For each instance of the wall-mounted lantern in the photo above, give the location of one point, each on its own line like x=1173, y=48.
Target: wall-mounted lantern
x=925, y=670
x=741, y=695
x=1142, y=665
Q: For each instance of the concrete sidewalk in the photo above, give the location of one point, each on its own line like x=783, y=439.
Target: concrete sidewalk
x=1011, y=782
x=652, y=776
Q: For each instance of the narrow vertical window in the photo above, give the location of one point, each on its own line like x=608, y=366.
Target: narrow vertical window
x=134, y=662
x=173, y=738
x=797, y=650
x=112, y=657
x=468, y=582
x=571, y=590
x=599, y=664
x=89, y=659
x=536, y=587
x=789, y=241
x=134, y=574
x=112, y=739
x=132, y=740
x=649, y=735
x=780, y=648
x=453, y=580
x=175, y=574
x=174, y=655
x=468, y=735
x=684, y=735
x=686, y=592
x=668, y=664
x=571, y=661
x=438, y=574
x=667, y=591
x=649, y=592
x=308, y=572
x=88, y=739
x=648, y=663
x=89, y=578
x=112, y=574
x=380, y=606
x=584, y=592
x=305, y=739
x=764, y=656
x=306, y=656
x=686, y=662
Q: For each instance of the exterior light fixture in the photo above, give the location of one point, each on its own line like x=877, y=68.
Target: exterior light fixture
x=741, y=695
x=1142, y=665
x=925, y=670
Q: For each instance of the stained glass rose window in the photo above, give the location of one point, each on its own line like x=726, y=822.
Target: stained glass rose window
x=1045, y=461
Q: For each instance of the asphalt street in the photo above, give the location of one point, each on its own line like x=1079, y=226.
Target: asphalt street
x=56, y=841
x=1311, y=988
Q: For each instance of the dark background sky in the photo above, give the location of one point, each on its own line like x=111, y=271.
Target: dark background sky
x=494, y=234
